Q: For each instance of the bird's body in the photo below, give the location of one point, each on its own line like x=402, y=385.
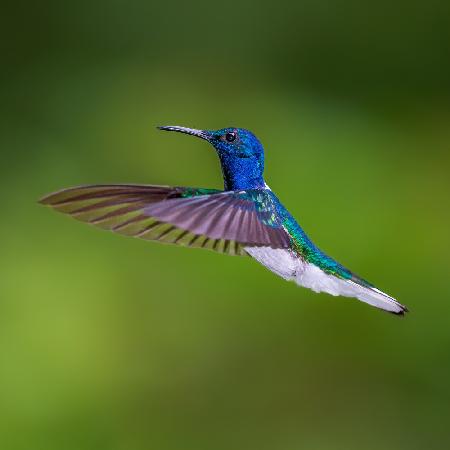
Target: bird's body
x=246, y=218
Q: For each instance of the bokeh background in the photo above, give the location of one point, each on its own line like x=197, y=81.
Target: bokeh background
x=111, y=343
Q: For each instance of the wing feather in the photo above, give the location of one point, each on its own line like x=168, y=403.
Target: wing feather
x=224, y=221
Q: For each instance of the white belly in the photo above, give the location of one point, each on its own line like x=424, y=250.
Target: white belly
x=281, y=261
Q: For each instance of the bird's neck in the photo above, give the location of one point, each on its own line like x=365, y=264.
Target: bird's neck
x=242, y=173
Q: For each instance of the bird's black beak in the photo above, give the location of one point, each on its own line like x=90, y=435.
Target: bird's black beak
x=192, y=131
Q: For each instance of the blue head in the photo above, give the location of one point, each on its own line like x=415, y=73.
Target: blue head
x=241, y=155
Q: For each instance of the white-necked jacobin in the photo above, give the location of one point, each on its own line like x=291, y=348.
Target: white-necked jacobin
x=246, y=218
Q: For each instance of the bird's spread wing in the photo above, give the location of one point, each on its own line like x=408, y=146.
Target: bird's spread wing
x=224, y=221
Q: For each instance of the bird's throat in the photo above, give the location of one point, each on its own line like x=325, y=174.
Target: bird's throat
x=241, y=173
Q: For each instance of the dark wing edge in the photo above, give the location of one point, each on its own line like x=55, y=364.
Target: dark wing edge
x=222, y=221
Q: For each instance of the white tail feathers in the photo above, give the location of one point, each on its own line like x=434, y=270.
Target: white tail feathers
x=316, y=279
x=289, y=266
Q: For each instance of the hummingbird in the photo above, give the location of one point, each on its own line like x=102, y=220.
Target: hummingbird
x=245, y=218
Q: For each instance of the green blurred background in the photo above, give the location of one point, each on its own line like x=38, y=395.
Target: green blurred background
x=113, y=343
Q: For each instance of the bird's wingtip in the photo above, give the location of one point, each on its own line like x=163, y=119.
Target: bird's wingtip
x=43, y=200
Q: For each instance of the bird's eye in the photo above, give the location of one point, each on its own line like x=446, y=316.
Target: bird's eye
x=230, y=137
